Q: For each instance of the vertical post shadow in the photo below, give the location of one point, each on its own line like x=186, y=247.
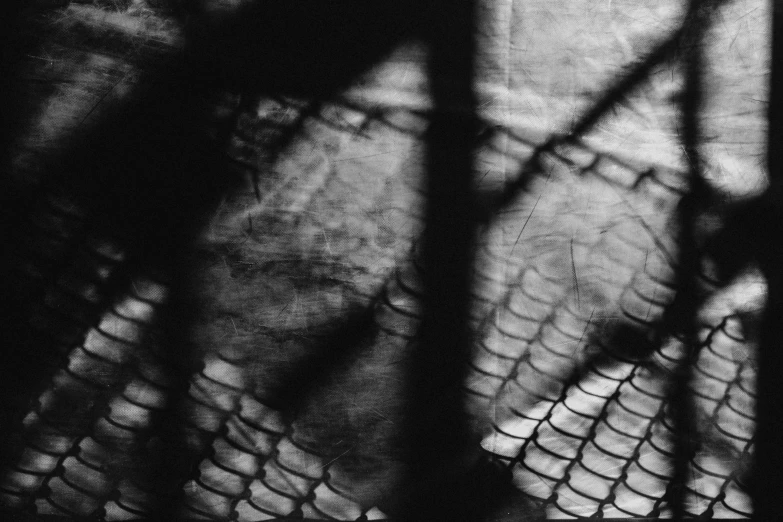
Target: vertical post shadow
x=438, y=441
x=684, y=309
x=768, y=472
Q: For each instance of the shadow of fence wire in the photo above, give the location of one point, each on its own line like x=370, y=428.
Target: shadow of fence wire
x=569, y=382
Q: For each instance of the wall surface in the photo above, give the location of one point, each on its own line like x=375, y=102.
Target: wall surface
x=217, y=286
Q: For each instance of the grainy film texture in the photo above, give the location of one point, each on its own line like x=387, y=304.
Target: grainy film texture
x=219, y=266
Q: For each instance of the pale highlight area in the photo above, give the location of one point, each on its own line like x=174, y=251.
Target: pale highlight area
x=573, y=275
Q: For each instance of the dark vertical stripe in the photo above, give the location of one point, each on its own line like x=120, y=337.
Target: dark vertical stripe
x=685, y=306
x=768, y=477
x=438, y=432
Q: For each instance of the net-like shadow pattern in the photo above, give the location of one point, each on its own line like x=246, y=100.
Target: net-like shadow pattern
x=572, y=365
x=574, y=361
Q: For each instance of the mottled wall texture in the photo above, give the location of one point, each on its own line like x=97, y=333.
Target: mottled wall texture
x=491, y=260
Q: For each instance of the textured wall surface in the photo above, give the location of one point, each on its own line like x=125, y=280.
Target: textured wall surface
x=215, y=293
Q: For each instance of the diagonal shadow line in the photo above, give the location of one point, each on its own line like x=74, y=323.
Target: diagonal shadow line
x=618, y=89
x=145, y=110
x=628, y=84
x=661, y=53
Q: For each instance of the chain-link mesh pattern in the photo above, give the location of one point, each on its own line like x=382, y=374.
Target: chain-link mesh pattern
x=574, y=358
